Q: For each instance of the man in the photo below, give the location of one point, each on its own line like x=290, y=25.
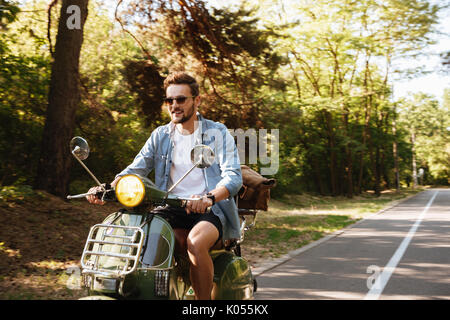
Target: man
x=168, y=152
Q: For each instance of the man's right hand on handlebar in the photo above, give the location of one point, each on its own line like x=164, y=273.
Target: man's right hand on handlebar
x=94, y=190
x=93, y=198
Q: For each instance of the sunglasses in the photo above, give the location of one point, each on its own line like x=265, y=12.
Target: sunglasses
x=179, y=100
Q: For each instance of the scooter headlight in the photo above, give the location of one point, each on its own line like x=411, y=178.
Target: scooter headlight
x=130, y=190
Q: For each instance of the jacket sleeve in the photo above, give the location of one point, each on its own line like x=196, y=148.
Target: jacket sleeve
x=229, y=162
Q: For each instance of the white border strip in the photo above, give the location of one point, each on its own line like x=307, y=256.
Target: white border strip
x=384, y=277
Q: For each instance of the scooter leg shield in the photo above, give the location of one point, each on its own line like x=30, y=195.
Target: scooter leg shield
x=233, y=279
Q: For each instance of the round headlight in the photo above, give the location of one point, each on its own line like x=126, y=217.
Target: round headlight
x=130, y=190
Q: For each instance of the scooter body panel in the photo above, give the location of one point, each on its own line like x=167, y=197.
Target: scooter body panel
x=159, y=274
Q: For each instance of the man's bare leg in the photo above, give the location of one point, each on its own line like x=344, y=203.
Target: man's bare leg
x=201, y=238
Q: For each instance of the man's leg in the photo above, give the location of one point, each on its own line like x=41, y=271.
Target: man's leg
x=201, y=238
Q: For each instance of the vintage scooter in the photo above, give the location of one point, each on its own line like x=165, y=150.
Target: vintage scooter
x=131, y=254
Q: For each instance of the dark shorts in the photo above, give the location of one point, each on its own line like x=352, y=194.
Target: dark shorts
x=178, y=218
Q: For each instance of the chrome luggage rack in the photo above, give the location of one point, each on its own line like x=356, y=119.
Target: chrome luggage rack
x=133, y=243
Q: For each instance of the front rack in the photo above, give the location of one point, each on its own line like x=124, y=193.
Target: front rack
x=93, y=250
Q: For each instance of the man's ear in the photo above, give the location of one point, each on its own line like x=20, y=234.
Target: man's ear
x=197, y=101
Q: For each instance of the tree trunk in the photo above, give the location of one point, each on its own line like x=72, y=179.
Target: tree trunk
x=377, y=171
x=395, y=151
x=331, y=148
x=414, y=165
x=63, y=100
x=318, y=176
x=367, y=110
x=348, y=158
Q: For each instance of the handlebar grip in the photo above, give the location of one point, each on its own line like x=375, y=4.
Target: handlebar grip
x=184, y=202
x=109, y=195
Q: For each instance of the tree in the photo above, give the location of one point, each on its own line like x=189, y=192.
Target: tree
x=227, y=51
x=63, y=100
x=427, y=124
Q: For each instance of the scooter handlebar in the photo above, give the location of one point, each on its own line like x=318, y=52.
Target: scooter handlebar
x=108, y=195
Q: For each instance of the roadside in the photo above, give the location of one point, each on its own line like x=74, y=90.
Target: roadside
x=398, y=253
x=296, y=221
x=41, y=236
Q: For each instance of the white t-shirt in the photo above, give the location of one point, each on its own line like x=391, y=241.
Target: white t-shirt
x=194, y=182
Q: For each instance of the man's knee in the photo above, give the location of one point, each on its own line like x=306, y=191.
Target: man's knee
x=201, y=238
x=195, y=245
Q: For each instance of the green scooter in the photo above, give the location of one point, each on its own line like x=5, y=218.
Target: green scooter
x=131, y=254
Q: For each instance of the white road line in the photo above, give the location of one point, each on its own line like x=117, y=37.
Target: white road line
x=383, y=278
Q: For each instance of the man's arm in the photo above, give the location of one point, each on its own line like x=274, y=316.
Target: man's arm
x=220, y=193
x=230, y=167
x=142, y=164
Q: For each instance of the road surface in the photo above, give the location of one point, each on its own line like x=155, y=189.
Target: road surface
x=401, y=253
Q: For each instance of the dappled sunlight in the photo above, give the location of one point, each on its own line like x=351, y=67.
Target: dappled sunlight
x=432, y=272
x=344, y=295
x=11, y=253
x=411, y=297
x=40, y=280
x=306, y=293
x=52, y=265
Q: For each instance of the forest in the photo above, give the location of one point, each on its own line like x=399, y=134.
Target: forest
x=320, y=72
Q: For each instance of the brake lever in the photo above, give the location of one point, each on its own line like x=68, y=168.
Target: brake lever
x=108, y=195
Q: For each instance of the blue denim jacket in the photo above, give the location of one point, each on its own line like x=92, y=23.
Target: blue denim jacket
x=225, y=171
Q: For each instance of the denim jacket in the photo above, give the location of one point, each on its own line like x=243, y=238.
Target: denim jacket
x=225, y=171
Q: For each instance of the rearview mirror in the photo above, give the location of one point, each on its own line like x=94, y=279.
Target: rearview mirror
x=79, y=148
x=202, y=156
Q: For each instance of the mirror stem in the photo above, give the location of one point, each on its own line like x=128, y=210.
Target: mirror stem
x=181, y=179
x=89, y=171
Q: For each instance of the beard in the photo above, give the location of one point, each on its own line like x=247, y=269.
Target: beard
x=187, y=114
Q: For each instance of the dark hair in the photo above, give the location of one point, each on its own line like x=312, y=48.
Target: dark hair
x=182, y=78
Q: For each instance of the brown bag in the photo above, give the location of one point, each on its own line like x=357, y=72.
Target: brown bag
x=255, y=191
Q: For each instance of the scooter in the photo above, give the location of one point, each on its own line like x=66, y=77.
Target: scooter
x=131, y=254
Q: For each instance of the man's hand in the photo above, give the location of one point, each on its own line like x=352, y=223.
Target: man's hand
x=92, y=198
x=198, y=206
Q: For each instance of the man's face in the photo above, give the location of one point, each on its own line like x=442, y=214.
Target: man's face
x=181, y=111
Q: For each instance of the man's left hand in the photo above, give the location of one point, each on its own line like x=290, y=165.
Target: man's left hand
x=198, y=206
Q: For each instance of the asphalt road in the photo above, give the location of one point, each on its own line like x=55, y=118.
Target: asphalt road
x=401, y=253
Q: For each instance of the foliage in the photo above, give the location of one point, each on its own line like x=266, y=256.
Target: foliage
x=18, y=193
x=320, y=72
x=24, y=79
x=430, y=123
